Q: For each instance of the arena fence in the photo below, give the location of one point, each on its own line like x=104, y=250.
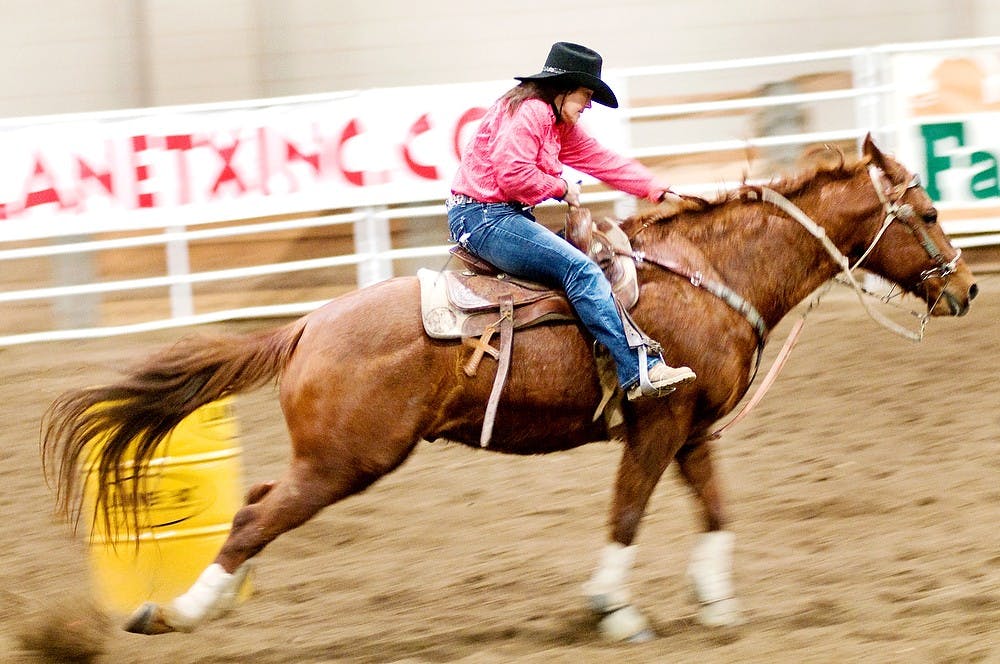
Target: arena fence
x=98, y=258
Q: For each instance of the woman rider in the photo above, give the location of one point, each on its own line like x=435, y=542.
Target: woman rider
x=515, y=161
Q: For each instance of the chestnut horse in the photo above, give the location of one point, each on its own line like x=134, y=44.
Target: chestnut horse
x=361, y=383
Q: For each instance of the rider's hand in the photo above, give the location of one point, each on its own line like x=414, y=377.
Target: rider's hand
x=572, y=195
x=669, y=197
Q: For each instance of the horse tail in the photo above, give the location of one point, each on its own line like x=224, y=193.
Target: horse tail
x=114, y=430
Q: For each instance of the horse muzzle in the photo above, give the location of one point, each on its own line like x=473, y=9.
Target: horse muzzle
x=953, y=295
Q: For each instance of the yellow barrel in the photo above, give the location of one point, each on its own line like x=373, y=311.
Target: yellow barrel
x=189, y=497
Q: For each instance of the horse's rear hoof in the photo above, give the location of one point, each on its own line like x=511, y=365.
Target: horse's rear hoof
x=723, y=613
x=625, y=624
x=148, y=619
x=643, y=636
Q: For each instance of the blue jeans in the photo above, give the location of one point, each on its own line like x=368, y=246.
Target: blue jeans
x=511, y=240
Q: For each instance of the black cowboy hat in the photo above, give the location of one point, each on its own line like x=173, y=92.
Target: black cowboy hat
x=576, y=64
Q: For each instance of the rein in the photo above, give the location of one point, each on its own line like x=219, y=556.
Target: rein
x=716, y=288
x=894, y=211
x=748, y=311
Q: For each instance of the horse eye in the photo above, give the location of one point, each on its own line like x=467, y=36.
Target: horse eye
x=931, y=216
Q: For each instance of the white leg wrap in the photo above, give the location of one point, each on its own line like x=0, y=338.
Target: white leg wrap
x=710, y=571
x=606, y=588
x=626, y=624
x=609, y=597
x=212, y=594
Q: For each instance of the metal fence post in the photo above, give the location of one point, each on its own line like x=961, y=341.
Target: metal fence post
x=371, y=238
x=781, y=120
x=71, y=312
x=624, y=206
x=178, y=262
x=872, y=110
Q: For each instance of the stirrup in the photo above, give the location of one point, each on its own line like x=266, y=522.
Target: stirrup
x=645, y=387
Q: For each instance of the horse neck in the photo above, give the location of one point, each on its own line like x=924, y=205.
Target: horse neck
x=772, y=260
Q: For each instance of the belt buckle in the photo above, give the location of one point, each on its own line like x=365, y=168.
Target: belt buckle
x=457, y=199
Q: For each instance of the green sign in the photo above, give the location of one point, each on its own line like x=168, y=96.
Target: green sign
x=946, y=151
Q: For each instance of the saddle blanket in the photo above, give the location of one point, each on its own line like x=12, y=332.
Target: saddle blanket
x=441, y=321
x=464, y=304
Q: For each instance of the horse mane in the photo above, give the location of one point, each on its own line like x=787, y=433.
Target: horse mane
x=821, y=168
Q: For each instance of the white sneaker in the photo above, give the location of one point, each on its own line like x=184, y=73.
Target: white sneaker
x=663, y=380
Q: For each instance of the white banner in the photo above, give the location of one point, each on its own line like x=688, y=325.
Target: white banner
x=368, y=148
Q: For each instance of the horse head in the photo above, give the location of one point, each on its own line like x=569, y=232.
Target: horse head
x=910, y=248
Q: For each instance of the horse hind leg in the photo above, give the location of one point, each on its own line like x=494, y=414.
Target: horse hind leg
x=150, y=619
x=258, y=491
x=710, y=567
x=272, y=508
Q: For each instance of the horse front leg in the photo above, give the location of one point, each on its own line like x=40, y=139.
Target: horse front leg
x=710, y=567
x=607, y=591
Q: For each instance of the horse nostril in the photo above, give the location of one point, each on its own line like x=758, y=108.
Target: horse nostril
x=973, y=292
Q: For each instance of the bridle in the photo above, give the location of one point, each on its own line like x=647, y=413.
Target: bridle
x=890, y=197
x=893, y=209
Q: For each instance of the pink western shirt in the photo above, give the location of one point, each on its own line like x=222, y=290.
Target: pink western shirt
x=520, y=158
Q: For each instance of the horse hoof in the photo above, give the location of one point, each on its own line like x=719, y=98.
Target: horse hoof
x=644, y=636
x=625, y=624
x=723, y=613
x=148, y=619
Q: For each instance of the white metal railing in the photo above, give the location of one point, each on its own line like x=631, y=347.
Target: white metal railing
x=871, y=93
x=753, y=102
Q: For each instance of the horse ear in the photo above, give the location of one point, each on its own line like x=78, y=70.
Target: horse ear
x=871, y=151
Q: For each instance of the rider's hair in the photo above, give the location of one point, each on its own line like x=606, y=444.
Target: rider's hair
x=547, y=91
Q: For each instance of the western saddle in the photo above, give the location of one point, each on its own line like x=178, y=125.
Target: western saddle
x=474, y=303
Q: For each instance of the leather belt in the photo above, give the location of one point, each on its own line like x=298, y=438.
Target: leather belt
x=462, y=199
x=459, y=199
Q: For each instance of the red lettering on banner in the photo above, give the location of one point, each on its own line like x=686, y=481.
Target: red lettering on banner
x=49, y=194
x=422, y=125
x=140, y=144
x=352, y=129
x=262, y=155
x=181, y=143
x=292, y=153
x=86, y=172
x=118, y=165
x=471, y=115
x=228, y=172
x=358, y=178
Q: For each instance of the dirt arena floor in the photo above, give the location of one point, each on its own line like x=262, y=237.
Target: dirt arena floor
x=864, y=492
